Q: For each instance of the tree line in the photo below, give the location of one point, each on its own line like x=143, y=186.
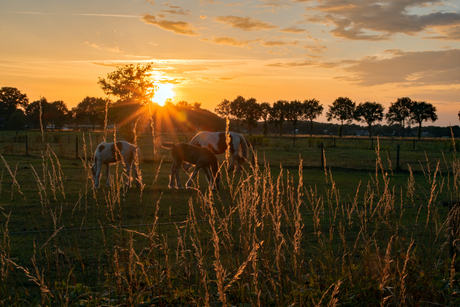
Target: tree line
x=403, y=111
x=129, y=91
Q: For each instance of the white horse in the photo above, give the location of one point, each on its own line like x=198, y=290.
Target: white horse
x=201, y=157
x=109, y=153
x=217, y=143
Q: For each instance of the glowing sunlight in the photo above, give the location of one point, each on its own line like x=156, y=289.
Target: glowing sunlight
x=164, y=92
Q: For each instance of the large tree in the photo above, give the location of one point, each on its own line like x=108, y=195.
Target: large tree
x=369, y=113
x=422, y=111
x=223, y=108
x=11, y=100
x=251, y=113
x=38, y=113
x=134, y=88
x=399, y=112
x=294, y=112
x=58, y=113
x=237, y=110
x=90, y=111
x=264, y=114
x=278, y=113
x=342, y=109
x=312, y=109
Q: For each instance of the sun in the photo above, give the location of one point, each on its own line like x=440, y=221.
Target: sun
x=163, y=92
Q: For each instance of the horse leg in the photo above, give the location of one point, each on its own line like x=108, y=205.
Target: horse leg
x=107, y=174
x=177, y=168
x=171, y=177
x=209, y=177
x=192, y=177
x=97, y=177
x=238, y=160
x=231, y=167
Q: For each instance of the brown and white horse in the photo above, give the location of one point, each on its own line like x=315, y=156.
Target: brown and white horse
x=109, y=153
x=217, y=143
x=201, y=157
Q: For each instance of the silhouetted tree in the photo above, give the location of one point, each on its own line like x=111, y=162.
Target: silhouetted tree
x=278, y=113
x=251, y=113
x=369, y=113
x=341, y=109
x=91, y=110
x=37, y=109
x=312, y=109
x=196, y=105
x=134, y=88
x=422, y=111
x=223, y=109
x=294, y=112
x=11, y=100
x=399, y=111
x=58, y=113
x=237, y=107
x=264, y=114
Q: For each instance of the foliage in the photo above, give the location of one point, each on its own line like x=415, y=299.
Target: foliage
x=133, y=87
x=399, y=112
x=11, y=101
x=422, y=111
x=91, y=110
x=369, y=112
x=312, y=109
x=278, y=114
x=342, y=109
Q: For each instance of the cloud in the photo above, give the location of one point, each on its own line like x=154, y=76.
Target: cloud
x=380, y=20
x=293, y=30
x=279, y=43
x=178, y=27
x=413, y=68
x=229, y=41
x=245, y=23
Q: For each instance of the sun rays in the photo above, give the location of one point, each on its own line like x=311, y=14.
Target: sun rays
x=164, y=92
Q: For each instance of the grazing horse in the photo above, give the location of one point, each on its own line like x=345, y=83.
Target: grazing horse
x=109, y=153
x=201, y=157
x=217, y=143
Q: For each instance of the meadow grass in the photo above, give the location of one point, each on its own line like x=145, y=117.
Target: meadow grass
x=272, y=236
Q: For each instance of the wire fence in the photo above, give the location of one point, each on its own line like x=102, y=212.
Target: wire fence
x=358, y=153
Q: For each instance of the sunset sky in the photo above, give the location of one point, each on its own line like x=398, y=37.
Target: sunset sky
x=209, y=50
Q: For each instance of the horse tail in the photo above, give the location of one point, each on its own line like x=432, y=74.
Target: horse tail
x=167, y=145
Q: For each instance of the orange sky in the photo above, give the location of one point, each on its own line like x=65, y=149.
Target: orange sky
x=211, y=50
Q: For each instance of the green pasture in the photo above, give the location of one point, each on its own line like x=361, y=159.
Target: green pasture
x=355, y=231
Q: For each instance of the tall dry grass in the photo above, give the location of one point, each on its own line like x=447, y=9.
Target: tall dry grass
x=266, y=239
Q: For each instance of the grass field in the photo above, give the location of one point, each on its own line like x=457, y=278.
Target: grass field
x=356, y=232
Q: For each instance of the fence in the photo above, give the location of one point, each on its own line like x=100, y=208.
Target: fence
x=348, y=152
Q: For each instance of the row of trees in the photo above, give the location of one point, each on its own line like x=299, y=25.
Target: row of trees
x=130, y=90
x=248, y=111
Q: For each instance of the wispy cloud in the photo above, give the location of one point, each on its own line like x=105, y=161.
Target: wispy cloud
x=229, y=41
x=245, y=23
x=178, y=27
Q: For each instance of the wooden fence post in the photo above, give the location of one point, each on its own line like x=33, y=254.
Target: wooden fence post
x=27, y=145
x=322, y=155
x=76, y=147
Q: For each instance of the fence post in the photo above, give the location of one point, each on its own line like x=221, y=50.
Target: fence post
x=372, y=143
x=76, y=147
x=322, y=155
x=413, y=144
x=397, y=158
x=27, y=145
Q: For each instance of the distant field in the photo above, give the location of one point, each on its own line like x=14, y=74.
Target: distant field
x=274, y=236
